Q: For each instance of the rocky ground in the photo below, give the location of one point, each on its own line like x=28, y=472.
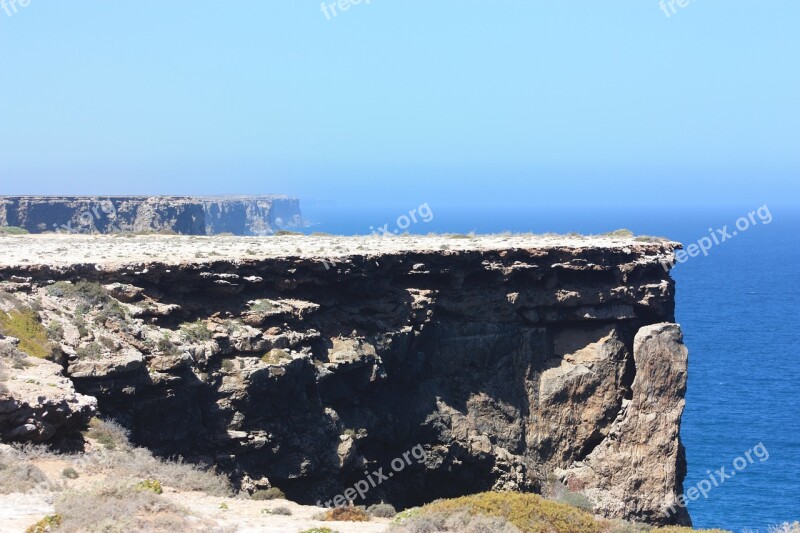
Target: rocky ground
x=109, y=250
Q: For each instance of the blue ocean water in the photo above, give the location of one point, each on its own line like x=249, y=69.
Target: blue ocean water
x=739, y=308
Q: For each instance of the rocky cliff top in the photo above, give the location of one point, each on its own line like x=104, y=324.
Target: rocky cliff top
x=108, y=251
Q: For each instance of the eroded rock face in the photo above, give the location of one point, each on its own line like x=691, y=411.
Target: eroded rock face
x=37, y=402
x=511, y=368
x=642, y=453
x=250, y=215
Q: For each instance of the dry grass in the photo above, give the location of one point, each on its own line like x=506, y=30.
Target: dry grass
x=460, y=522
x=119, y=507
x=346, y=514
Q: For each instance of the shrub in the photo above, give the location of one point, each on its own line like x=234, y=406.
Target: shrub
x=24, y=324
x=166, y=346
x=272, y=493
x=13, y=230
x=152, y=485
x=527, y=512
x=46, y=524
x=346, y=514
x=287, y=233
x=319, y=530
x=263, y=306
x=70, y=473
x=108, y=433
x=619, y=233
x=91, y=350
x=576, y=499
x=281, y=511
x=120, y=508
x=16, y=358
x=55, y=331
x=196, y=331
x=381, y=510
x=88, y=292
x=140, y=463
x=227, y=365
x=276, y=357
x=16, y=475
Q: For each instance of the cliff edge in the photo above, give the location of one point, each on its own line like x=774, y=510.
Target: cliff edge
x=205, y=215
x=517, y=363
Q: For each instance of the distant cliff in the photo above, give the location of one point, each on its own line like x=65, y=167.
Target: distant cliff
x=240, y=215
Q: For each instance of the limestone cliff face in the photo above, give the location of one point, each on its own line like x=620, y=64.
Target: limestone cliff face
x=513, y=368
x=248, y=215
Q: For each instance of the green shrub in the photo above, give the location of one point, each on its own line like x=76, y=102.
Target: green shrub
x=196, y=331
x=91, y=350
x=276, y=357
x=528, y=512
x=381, y=510
x=70, y=473
x=166, y=346
x=152, y=485
x=272, y=493
x=24, y=324
x=319, y=530
x=55, y=331
x=619, y=233
x=89, y=292
x=108, y=433
x=46, y=524
x=263, y=306
x=13, y=230
x=576, y=499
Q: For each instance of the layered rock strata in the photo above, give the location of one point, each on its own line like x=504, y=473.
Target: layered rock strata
x=245, y=215
x=515, y=363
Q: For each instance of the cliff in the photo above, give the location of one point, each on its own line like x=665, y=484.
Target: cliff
x=516, y=362
x=245, y=215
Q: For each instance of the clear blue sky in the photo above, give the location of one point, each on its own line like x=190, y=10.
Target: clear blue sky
x=527, y=102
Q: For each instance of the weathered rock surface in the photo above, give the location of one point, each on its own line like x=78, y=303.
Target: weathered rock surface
x=513, y=366
x=247, y=215
x=37, y=402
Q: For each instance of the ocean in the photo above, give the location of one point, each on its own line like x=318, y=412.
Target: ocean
x=739, y=307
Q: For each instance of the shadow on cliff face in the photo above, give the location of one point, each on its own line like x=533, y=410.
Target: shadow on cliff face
x=504, y=368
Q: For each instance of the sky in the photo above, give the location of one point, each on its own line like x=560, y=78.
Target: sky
x=525, y=103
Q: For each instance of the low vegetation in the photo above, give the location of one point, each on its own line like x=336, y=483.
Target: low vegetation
x=527, y=513
x=381, y=510
x=196, y=331
x=46, y=524
x=272, y=493
x=276, y=357
x=619, y=233
x=514, y=513
x=25, y=325
x=346, y=514
x=13, y=230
